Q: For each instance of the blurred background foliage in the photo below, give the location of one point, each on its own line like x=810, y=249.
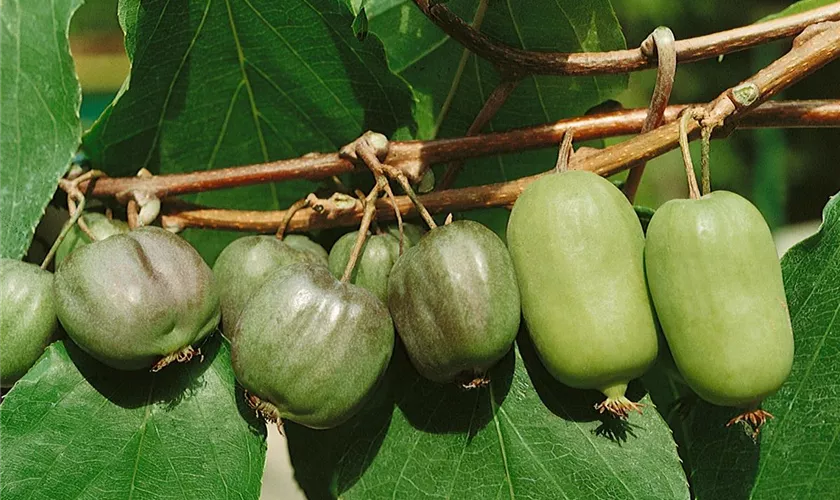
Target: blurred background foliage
x=789, y=174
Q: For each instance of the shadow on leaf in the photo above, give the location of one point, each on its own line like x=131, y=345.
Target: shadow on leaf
x=447, y=408
x=328, y=462
x=134, y=389
x=564, y=401
x=712, y=454
x=573, y=404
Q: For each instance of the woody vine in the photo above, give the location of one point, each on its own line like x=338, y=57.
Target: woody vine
x=817, y=42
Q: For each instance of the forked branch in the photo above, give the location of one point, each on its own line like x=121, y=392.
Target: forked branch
x=521, y=61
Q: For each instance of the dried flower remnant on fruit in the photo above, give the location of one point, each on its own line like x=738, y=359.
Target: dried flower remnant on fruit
x=264, y=410
x=753, y=418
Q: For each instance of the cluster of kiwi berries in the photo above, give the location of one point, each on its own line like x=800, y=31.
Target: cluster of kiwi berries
x=310, y=348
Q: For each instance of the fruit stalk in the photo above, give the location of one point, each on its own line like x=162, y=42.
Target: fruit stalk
x=76, y=203
x=693, y=190
x=662, y=42
x=79, y=210
x=290, y=212
x=369, y=211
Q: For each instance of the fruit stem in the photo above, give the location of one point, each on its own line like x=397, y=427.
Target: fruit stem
x=284, y=223
x=64, y=231
x=693, y=190
x=390, y=194
x=565, y=152
x=400, y=177
x=659, y=45
x=370, y=210
x=755, y=418
x=76, y=205
x=705, y=149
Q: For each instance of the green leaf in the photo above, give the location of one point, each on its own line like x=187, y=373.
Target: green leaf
x=39, y=114
x=219, y=83
x=73, y=428
x=798, y=7
x=797, y=454
x=451, y=84
x=524, y=436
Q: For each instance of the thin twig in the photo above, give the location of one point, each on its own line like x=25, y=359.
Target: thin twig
x=618, y=61
x=564, y=154
x=132, y=214
x=690, y=177
x=369, y=211
x=76, y=206
x=729, y=106
x=79, y=210
x=492, y=106
x=281, y=229
x=409, y=191
x=393, y=199
x=705, y=149
x=661, y=44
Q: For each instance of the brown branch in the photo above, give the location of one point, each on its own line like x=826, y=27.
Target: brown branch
x=619, y=61
x=311, y=166
x=730, y=109
x=729, y=106
x=413, y=157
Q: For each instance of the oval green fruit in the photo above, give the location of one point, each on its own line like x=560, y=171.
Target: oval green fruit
x=455, y=302
x=245, y=264
x=717, y=287
x=312, y=347
x=27, y=317
x=578, y=250
x=135, y=298
x=99, y=225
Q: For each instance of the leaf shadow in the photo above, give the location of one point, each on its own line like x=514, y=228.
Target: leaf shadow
x=572, y=404
x=446, y=408
x=134, y=389
x=328, y=462
x=718, y=460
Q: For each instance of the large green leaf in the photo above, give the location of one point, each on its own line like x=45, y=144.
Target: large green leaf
x=39, y=113
x=525, y=436
x=797, y=454
x=798, y=7
x=231, y=82
x=73, y=428
x=451, y=84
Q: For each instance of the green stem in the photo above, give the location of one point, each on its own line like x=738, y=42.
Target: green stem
x=370, y=210
x=281, y=230
x=705, y=149
x=403, y=180
x=693, y=190
x=63, y=234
